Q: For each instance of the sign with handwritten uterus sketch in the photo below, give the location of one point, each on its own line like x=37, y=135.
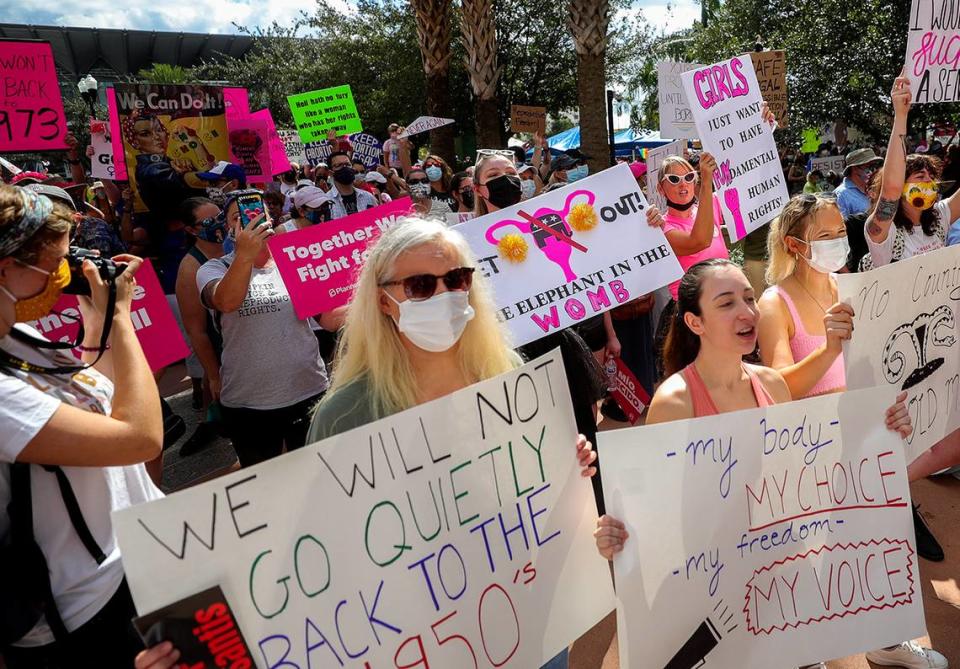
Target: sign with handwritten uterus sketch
x=783, y=536
x=571, y=254
x=725, y=99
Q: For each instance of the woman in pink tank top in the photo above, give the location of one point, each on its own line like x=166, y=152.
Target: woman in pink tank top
x=715, y=325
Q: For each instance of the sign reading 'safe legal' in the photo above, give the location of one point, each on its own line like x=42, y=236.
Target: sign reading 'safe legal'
x=571, y=254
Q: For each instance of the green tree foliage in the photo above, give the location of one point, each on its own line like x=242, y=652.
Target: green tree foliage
x=162, y=73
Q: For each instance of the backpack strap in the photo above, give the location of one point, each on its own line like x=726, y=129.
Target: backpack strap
x=76, y=516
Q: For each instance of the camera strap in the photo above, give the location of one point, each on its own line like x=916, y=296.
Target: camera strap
x=14, y=362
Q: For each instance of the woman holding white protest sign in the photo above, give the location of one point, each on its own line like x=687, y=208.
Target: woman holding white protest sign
x=89, y=429
x=715, y=325
x=908, y=217
x=268, y=390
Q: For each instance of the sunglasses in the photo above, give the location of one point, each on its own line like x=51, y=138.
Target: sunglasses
x=424, y=286
x=418, y=181
x=675, y=179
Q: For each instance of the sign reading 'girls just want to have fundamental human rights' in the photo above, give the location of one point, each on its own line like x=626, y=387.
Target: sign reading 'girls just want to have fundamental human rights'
x=726, y=102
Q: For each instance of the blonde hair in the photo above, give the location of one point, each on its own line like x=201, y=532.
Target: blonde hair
x=670, y=161
x=370, y=345
x=793, y=221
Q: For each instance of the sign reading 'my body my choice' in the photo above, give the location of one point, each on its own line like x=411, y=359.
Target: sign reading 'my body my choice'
x=725, y=99
x=571, y=254
x=933, y=51
x=783, y=535
x=454, y=534
x=31, y=109
x=320, y=265
x=906, y=337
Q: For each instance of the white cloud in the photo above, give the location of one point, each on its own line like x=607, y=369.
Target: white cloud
x=670, y=16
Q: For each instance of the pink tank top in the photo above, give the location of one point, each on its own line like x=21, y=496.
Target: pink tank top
x=803, y=344
x=702, y=402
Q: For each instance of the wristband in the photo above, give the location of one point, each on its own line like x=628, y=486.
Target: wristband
x=92, y=349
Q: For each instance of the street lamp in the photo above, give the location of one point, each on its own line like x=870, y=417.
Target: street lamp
x=88, y=91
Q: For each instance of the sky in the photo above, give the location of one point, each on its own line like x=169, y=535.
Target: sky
x=218, y=16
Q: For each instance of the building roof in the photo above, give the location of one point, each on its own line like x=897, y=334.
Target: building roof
x=108, y=53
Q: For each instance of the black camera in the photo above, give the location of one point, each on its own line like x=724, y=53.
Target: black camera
x=79, y=285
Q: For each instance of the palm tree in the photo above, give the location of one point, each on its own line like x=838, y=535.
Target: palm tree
x=480, y=43
x=589, y=22
x=433, y=33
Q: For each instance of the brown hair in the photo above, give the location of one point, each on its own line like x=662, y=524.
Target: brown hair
x=916, y=162
x=480, y=205
x=57, y=223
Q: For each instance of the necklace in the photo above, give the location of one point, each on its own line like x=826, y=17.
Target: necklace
x=815, y=300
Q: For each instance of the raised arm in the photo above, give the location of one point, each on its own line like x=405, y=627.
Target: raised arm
x=701, y=235
x=894, y=164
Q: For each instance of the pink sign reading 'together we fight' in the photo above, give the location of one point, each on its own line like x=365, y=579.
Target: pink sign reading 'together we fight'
x=320, y=265
x=152, y=318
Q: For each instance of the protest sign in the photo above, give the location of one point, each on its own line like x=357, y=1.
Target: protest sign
x=828, y=164
x=170, y=133
x=725, y=100
x=237, y=103
x=10, y=167
x=317, y=152
x=250, y=147
x=458, y=217
x=153, y=321
x=367, y=149
x=320, y=264
x=905, y=336
x=655, y=158
x=676, y=119
x=784, y=536
x=279, y=162
x=570, y=254
x=771, y=71
x=627, y=391
x=933, y=51
x=423, y=124
x=292, y=146
x=101, y=162
x=31, y=109
x=116, y=137
x=317, y=112
x=453, y=534
x=528, y=119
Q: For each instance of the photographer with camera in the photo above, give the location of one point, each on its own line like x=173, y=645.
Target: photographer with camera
x=74, y=435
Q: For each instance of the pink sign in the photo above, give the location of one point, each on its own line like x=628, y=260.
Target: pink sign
x=319, y=265
x=116, y=137
x=628, y=393
x=250, y=147
x=152, y=318
x=31, y=109
x=237, y=102
x=278, y=152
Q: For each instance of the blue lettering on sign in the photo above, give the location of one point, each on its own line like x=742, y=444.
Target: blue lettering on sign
x=719, y=453
x=809, y=437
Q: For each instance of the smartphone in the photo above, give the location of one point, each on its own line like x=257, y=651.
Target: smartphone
x=250, y=206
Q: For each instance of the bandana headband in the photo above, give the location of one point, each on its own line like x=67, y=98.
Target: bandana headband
x=36, y=208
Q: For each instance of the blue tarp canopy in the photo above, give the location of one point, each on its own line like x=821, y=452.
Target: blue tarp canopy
x=626, y=141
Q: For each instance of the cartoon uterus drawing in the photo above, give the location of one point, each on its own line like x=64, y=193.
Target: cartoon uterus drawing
x=556, y=250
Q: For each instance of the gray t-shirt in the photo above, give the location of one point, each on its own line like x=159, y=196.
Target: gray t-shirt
x=271, y=358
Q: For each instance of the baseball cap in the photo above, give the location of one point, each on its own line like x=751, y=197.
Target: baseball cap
x=224, y=170
x=524, y=168
x=373, y=175
x=53, y=192
x=563, y=162
x=859, y=158
x=25, y=178
x=310, y=196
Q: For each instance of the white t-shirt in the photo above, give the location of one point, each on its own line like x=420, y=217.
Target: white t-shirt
x=915, y=242
x=80, y=586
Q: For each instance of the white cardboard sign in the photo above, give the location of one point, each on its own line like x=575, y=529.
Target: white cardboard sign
x=456, y=533
x=655, y=158
x=570, y=254
x=101, y=162
x=765, y=539
x=828, y=164
x=725, y=99
x=676, y=119
x=905, y=337
x=933, y=51
x=425, y=123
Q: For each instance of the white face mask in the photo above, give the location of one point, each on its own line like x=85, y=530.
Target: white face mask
x=828, y=255
x=527, y=188
x=437, y=323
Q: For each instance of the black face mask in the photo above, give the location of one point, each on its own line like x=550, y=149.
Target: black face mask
x=344, y=175
x=681, y=207
x=504, y=191
x=468, y=199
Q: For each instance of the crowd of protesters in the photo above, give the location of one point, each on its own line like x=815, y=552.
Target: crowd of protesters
x=749, y=324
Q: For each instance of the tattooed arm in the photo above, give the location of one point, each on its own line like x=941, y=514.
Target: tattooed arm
x=894, y=164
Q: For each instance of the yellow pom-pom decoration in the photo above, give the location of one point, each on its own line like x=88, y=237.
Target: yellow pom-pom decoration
x=582, y=217
x=513, y=247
